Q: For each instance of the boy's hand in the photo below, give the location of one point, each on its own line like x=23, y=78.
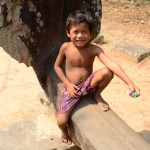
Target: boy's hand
x=71, y=90
x=133, y=88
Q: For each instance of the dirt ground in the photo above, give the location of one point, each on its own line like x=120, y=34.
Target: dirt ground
x=130, y=23
x=19, y=87
x=121, y=20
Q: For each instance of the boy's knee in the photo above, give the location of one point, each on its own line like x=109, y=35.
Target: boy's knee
x=62, y=122
x=107, y=73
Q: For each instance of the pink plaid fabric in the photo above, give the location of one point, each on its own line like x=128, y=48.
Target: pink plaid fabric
x=66, y=103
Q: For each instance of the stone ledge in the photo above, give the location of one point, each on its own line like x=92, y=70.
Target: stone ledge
x=36, y=133
x=135, y=50
x=92, y=129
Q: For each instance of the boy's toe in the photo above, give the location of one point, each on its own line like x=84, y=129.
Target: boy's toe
x=105, y=107
x=69, y=142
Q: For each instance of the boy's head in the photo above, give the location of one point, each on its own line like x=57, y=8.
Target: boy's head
x=78, y=17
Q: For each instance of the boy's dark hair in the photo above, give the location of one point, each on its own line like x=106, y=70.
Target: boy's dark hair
x=78, y=17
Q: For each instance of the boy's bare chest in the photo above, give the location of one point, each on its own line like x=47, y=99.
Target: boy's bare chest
x=78, y=58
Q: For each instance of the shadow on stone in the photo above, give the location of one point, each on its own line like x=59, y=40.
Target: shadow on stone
x=145, y=134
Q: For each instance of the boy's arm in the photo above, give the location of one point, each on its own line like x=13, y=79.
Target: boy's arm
x=117, y=70
x=71, y=88
x=58, y=64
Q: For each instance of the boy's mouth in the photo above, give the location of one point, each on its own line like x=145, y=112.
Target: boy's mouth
x=79, y=41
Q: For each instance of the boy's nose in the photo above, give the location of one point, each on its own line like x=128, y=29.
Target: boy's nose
x=79, y=35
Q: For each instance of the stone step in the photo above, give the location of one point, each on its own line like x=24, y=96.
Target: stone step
x=37, y=133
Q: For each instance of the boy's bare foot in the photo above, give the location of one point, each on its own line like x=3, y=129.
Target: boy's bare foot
x=101, y=103
x=65, y=138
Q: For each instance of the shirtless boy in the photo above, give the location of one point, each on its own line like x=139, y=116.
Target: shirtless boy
x=79, y=78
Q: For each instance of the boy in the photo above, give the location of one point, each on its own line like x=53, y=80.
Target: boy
x=78, y=79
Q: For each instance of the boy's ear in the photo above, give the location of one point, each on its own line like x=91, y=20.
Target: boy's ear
x=68, y=34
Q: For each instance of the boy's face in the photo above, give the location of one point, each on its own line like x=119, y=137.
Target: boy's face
x=80, y=34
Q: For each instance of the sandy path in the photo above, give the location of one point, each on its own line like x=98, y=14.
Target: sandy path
x=19, y=89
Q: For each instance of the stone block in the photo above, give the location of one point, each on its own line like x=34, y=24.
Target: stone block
x=99, y=39
x=98, y=130
x=135, y=50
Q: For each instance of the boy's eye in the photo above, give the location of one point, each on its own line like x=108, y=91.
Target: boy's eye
x=75, y=32
x=83, y=32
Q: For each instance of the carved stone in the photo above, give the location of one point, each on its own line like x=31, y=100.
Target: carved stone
x=33, y=31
